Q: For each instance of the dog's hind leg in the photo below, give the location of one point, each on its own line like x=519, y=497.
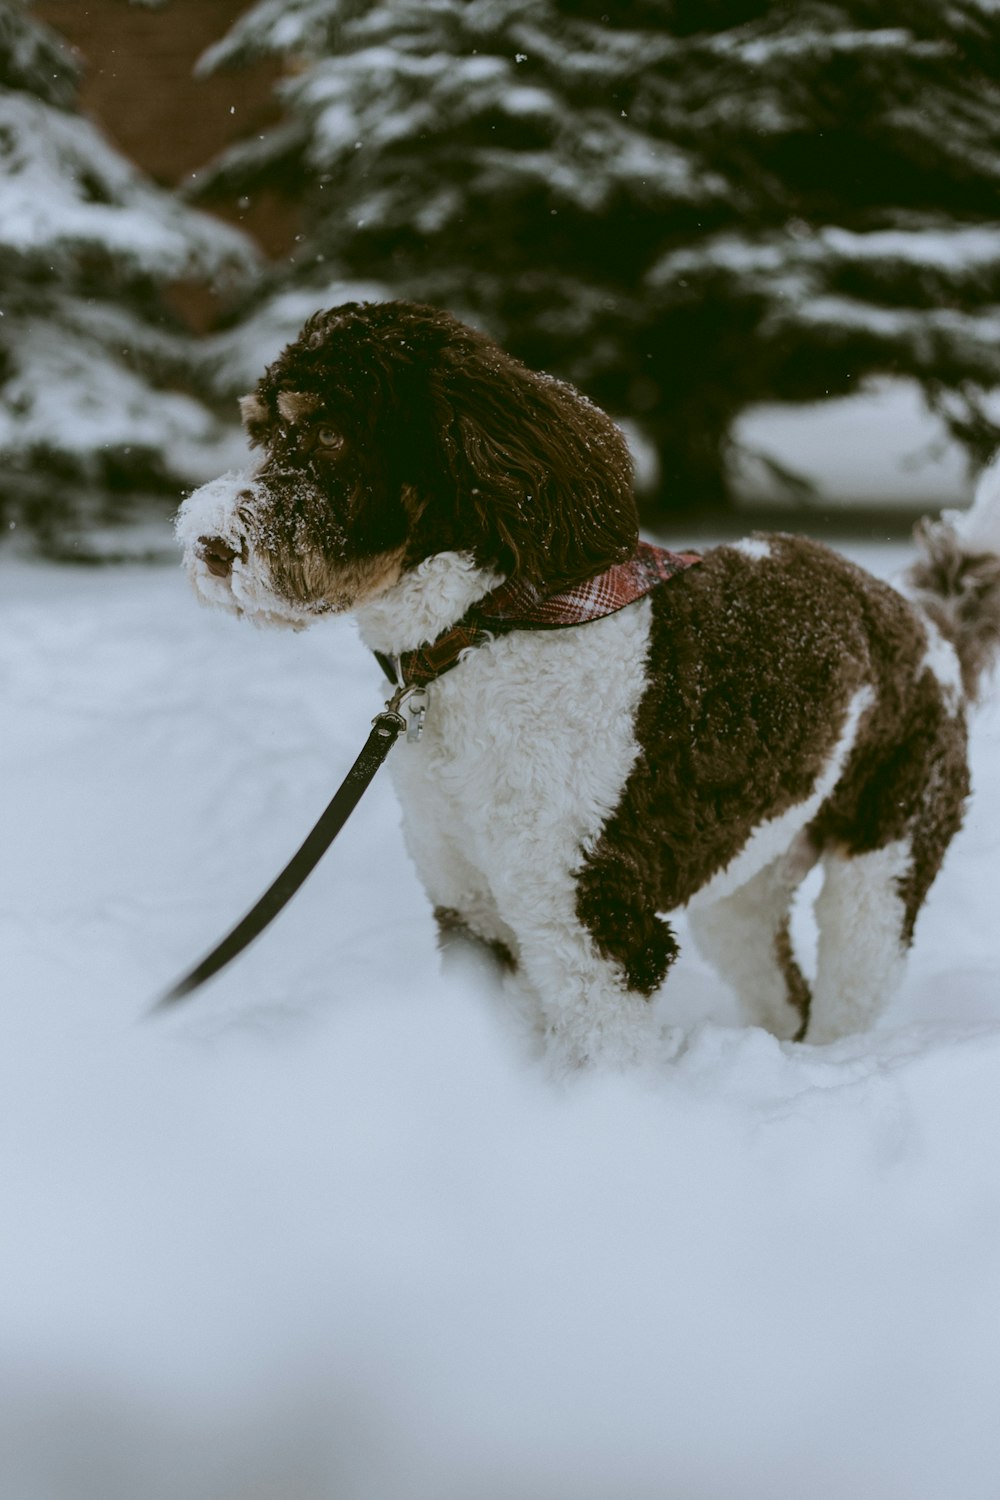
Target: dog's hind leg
x=746, y=937
x=862, y=916
x=884, y=836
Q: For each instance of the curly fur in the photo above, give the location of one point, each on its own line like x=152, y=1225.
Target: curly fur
x=703, y=748
x=961, y=594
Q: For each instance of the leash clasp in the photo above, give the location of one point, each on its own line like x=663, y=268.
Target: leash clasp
x=410, y=705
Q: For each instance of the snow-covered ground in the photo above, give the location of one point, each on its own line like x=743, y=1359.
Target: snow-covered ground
x=325, y=1234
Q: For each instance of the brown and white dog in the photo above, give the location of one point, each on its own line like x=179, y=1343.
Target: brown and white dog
x=701, y=748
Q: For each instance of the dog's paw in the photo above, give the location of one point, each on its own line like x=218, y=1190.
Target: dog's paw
x=615, y=1033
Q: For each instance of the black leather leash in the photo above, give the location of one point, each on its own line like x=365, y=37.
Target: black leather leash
x=386, y=729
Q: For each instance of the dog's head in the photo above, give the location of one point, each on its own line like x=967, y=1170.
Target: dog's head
x=391, y=432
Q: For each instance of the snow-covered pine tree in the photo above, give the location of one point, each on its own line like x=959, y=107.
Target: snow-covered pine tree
x=686, y=206
x=99, y=403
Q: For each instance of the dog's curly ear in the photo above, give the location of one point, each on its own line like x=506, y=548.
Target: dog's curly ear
x=545, y=475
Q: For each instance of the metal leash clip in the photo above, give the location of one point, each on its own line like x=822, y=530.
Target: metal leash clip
x=416, y=710
x=410, y=704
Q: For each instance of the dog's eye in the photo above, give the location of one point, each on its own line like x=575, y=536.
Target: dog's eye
x=329, y=438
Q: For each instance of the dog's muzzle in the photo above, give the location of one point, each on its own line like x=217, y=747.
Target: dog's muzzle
x=211, y=527
x=221, y=530
x=217, y=555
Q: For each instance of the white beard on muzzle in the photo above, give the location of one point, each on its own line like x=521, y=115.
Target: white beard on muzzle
x=222, y=553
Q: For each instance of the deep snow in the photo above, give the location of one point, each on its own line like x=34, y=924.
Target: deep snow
x=325, y=1232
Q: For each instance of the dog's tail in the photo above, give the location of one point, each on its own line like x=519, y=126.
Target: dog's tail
x=956, y=581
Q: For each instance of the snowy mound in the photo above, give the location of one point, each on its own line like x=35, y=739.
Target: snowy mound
x=326, y=1232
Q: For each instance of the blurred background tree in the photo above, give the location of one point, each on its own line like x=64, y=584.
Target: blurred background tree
x=692, y=208
x=103, y=403
x=685, y=206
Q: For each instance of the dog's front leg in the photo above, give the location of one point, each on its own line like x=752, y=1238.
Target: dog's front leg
x=590, y=1014
x=444, y=854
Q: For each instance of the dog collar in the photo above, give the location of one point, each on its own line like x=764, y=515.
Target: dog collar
x=516, y=605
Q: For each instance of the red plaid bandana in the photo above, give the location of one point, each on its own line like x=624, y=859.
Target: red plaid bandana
x=516, y=605
x=522, y=605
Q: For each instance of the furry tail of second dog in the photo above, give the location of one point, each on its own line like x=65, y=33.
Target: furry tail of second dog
x=956, y=581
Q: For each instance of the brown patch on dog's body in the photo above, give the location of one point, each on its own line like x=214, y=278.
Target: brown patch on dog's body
x=753, y=663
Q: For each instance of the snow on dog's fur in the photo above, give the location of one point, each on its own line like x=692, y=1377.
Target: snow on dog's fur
x=702, y=748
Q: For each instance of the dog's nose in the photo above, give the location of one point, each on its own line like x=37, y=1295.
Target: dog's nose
x=217, y=555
